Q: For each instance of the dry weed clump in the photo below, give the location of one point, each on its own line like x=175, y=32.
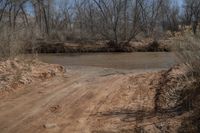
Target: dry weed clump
x=179, y=88
x=174, y=90
x=179, y=81
x=191, y=57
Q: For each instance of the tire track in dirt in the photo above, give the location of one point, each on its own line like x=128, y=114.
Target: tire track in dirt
x=29, y=109
x=68, y=103
x=75, y=109
x=24, y=107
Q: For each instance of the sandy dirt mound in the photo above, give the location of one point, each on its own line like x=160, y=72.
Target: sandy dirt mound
x=173, y=88
x=132, y=109
x=150, y=103
x=178, y=92
x=18, y=72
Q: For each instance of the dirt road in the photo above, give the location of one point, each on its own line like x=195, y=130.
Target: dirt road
x=80, y=102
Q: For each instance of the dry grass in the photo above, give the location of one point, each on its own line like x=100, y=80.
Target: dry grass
x=189, y=54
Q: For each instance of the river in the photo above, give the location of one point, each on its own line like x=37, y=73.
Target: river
x=123, y=61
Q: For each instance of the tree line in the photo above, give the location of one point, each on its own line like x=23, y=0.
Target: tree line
x=118, y=21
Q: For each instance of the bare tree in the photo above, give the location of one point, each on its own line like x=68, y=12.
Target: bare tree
x=115, y=21
x=118, y=20
x=192, y=13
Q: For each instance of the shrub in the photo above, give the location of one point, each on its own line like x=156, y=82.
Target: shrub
x=14, y=43
x=189, y=54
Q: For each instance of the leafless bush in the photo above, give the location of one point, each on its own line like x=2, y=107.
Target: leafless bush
x=13, y=43
x=9, y=43
x=189, y=52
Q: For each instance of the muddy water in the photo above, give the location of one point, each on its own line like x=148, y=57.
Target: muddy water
x=127, y=61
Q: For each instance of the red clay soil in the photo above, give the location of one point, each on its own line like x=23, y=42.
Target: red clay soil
x=16, y=73
x=89, y=102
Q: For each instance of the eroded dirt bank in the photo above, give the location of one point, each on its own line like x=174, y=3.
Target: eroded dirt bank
x=94, y=100
x=145, y=45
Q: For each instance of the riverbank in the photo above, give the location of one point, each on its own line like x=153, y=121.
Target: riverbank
x=145, y=45
x=97, y=100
